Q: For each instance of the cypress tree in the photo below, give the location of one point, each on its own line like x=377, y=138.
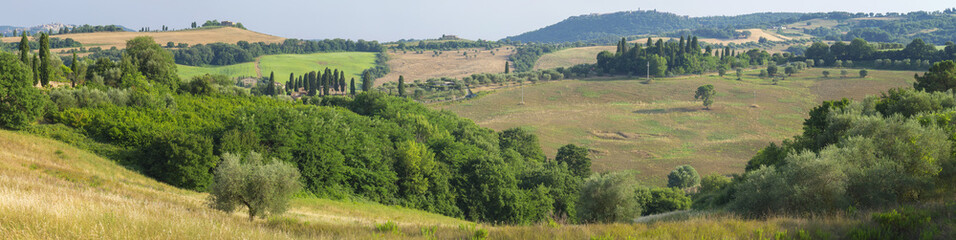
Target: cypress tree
x=36, y=70
x=45, y=59
x=352, y=87
x=342, y=82
x=73, y=68
x=401, y=86
x=507, y=67
x=334, y=80
x=271, y=90
x=292, y=82
x=367, y=81
x=623, y=46
x=326, y=80
x=310, y=83
x=25, y=49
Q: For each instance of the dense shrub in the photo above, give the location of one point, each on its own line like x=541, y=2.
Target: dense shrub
x=683, y=176
x=882, y=152
x=20, y=103
x=608, y=198
x=182, y=159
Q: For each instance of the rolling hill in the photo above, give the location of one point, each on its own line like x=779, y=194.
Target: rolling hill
x=50, y=189
x=612, y=26
x=652, y=128
x=107, y=40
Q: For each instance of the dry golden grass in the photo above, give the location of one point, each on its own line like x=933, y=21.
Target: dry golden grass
x=49, y=189
x=423, y=66
x=107, y=40
x=572, y=56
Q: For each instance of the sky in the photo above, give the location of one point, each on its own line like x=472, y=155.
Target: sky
x=390, y=20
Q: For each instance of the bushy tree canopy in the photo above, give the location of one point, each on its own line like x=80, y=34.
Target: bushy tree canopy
x=262, y=187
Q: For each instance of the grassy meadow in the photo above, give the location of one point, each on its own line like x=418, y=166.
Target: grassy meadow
x=235, y=70
x=652, y=128
x=282, y=64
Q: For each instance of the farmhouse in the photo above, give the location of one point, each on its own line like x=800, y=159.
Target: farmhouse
x=448, y=37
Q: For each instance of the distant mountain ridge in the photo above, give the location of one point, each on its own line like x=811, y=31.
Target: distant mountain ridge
x=604, y=27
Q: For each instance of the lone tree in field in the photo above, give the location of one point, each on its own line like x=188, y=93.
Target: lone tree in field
x=740, y=73
x=772, y=70
x=263, y=188
x=507, y=67
x=789, y=70
x=863, y=73
x=826, y=74
x=843, y=73
x=941, y=77
x=706, y=94
x=684, y=176
x=401, y=86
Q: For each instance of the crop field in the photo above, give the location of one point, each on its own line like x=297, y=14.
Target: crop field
x=107, y=40
x=572, y=56
x=353, y=63
x=652, y=128
x=415, y=66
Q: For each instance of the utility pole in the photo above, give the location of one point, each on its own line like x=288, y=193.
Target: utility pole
x=648, y=70
x=522, y=93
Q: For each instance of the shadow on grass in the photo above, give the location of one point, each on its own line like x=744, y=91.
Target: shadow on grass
x=668, y=110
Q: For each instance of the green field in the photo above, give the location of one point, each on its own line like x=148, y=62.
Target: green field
x=237, y=70
x=570, y=57
x=652, y=128
x=353, y=63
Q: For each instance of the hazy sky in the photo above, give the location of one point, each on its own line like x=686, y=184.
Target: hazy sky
x=387, y=20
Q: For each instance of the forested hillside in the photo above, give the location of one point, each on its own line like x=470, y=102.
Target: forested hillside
x=606, y=28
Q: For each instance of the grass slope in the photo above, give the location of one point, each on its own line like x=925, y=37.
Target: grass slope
x=352, y=62
x=652, y=128
x=49, y=189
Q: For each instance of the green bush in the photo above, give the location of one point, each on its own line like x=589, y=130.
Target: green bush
x=661, y=200
x=683, y=176
x=181, y=159
x=20, y=103
x=608, y=198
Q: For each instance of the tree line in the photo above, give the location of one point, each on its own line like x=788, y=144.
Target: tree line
x=220, y=54
x=686, y=56
x=860, y=50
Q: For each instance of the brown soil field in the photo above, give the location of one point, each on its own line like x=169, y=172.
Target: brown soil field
x=414, y=66
x=107, y=40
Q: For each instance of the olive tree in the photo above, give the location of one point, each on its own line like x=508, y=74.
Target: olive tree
x=261, y=186
x=706, y=94
x=683, y=176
